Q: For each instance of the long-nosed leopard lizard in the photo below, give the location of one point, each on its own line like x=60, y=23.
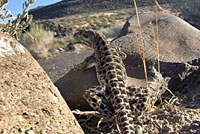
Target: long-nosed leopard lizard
x=129, y=102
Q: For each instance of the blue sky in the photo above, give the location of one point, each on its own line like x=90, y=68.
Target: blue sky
x=15, y=6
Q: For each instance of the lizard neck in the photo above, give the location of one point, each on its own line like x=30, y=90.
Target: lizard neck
x=100, y=44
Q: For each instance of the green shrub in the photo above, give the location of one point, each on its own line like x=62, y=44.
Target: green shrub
x=20, y=23
x=39, y=37
x=38, y=41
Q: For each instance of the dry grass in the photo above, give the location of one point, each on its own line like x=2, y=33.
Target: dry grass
x=142, y=44
x=157, y=45
x=142, y=54
x=41, y=42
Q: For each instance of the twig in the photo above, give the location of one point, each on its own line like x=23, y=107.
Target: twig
x=157, y=45
x=173, y=99
x=142, y=42
x=87, y=113
x=99, y=122
x=117, y=125
x=92, y=114
x=32, y=38
x=157, y=124
x=158, y=5
x=85, y=121
x=138, y=45
x=169, y=90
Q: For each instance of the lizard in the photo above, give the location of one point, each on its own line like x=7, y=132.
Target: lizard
x=129, y=102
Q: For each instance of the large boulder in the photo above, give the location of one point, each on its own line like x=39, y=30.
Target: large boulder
x=178, y=41
x=29, y=101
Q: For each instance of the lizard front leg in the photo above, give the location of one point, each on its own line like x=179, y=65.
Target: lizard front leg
x=88, y=63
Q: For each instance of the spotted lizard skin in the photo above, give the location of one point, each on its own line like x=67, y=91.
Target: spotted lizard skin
x=128, y=102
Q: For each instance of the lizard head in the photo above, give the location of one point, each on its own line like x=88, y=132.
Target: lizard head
x=91, y=38
x=86, y=36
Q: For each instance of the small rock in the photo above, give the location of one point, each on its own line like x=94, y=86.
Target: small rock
x=138, y=129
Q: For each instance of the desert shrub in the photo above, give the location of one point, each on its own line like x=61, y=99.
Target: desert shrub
x=105, y=24
x=39, y=36
x=38, y=41
x=22, y=21
x=41, y=42
x=111, y=20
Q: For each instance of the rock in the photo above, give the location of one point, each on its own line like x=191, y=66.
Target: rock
x=178, y=40
x=72, y=86
x=29, y=102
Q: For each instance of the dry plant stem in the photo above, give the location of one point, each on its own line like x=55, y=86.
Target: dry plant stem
x=32, y=38
x=99, y=122
x=173, y=99
x=157, y=45
x=138, y=45
x=158, y=5
x=157, y=124
x=87, y=113
x=91, y=113
x=169, y=90
x=117, y=126
x=142, y=42
x=86, y=120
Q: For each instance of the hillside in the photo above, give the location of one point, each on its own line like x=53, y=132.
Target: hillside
x=72, y=7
